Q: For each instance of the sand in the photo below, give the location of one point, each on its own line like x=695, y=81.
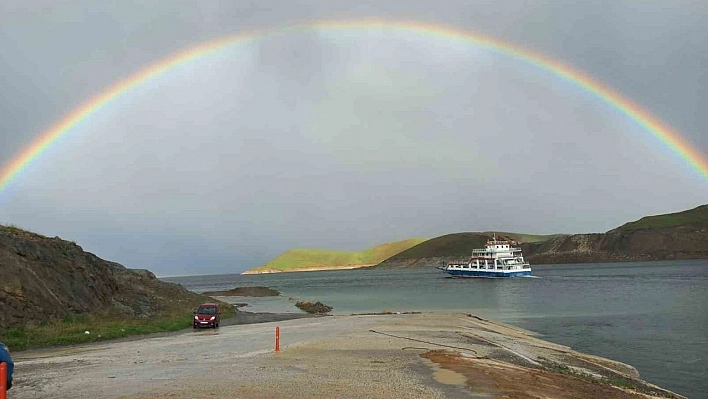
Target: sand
x=429, y=355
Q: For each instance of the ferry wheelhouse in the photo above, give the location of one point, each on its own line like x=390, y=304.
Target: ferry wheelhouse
x=499, y=258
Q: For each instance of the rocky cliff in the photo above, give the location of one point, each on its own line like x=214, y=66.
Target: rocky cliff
x=44, y=278
x=650, y=238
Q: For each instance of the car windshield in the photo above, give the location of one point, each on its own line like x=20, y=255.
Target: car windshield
x=207, y=310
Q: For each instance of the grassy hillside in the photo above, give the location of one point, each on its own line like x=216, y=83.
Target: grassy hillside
x=303, y=259
x=680, y=235
x=460, y=244
x=692, y=217
x=522, y=237
x=449, y=247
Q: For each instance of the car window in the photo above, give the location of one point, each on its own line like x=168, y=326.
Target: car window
x=207, y=310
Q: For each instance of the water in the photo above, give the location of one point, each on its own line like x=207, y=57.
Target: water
x=651, y=315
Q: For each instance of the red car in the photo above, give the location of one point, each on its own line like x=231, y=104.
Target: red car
x=208, y=315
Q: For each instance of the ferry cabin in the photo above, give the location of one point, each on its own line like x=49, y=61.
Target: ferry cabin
x=497, y=259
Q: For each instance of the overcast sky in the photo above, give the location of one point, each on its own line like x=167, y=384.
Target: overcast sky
x=342, y=139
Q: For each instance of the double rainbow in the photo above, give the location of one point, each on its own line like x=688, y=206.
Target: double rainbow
x=661, y=131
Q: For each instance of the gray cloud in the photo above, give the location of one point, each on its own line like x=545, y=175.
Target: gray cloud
x=338, y=138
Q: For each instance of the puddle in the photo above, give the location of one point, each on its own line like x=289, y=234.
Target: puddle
x=446, y=376
x=449, y=377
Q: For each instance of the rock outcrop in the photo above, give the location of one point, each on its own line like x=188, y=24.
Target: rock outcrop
x=314, y=308
x=44, y=278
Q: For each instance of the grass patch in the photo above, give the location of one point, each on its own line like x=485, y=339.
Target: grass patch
x=19, y=231
x=622, y=382
x=72, y=329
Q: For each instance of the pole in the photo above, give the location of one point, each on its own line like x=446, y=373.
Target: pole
x=3, y=381
x=277, y=341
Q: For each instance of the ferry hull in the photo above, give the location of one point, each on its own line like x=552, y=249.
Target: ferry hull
x=487, y=273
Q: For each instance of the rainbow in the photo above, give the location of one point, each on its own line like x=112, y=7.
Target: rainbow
x=672, y=139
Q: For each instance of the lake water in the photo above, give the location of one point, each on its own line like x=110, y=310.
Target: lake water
x=652, y=315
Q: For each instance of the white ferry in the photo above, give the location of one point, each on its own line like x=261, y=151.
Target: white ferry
x=499, y=258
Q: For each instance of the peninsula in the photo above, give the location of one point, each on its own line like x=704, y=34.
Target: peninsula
x=299, y=260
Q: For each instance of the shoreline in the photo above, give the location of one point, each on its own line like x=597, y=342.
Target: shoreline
x=422, y=355
x=239, y=318
x=308, y=269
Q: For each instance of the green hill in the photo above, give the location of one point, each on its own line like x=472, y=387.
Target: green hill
x=680, y=235
x=522, y=237
x=454, y=246
x=303, y=259
x=693, y=217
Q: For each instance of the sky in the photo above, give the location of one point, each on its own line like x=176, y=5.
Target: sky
x=342, y=139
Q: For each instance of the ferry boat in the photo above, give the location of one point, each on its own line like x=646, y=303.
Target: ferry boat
x=499, y=258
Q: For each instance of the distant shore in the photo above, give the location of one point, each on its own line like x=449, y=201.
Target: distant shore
x=308, y=269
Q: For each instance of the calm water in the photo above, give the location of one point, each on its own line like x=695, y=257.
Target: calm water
x=651, y=315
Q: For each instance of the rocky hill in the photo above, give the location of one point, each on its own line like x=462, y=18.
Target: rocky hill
x=46, y=279
x=682, y=235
